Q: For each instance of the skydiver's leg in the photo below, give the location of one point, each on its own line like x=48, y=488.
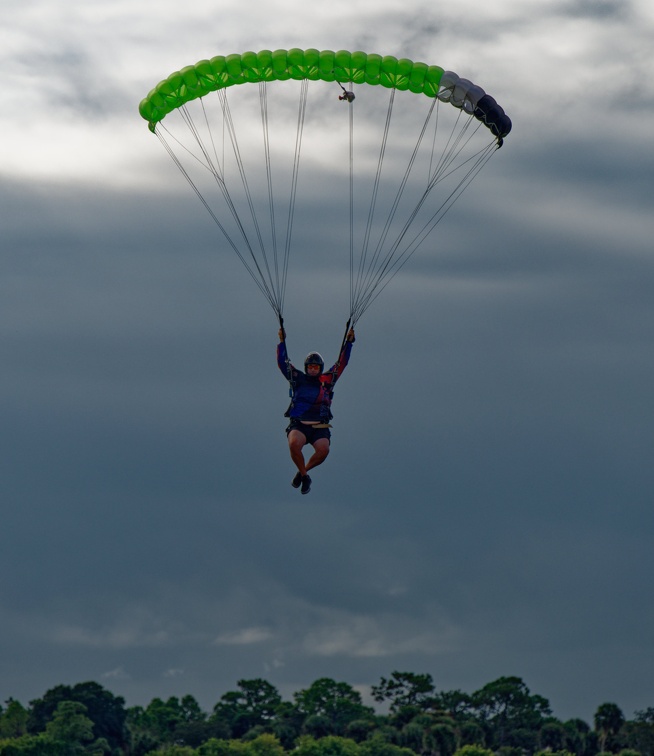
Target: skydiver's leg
x=296, y=442
x=321, y=450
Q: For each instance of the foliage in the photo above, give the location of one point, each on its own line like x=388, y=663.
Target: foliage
x=254, y=704
x=328, y=718
x=13, y=720
x=639, y=735
x=70, y=725
x=33, y=745
x=329, y=707
x=378, y=747
x=473, y=750
x=404, y=689
x=220, y=747
x=608, y=722
x=179, y=722
x=332, y=745
x=106, y=711
x=509, y=713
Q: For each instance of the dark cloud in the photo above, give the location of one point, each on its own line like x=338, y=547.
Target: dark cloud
x=485, y=509
x=602, y=10
x=151, y=519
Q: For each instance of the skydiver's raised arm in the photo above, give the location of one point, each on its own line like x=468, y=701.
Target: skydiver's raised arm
x=344, y=357
x=283, y=362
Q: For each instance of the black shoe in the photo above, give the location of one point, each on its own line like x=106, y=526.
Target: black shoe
x=306, y=484
x=297, y=480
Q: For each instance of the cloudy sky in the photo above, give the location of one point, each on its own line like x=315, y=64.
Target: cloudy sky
x=486, y=509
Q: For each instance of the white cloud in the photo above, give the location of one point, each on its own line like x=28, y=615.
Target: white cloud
x=378, y=636
x=245, y=637
x=173, y=673
x=118, y=673
x=116, y=637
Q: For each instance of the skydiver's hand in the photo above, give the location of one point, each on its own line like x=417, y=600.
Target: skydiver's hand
x=282, y=334
x=350, y=336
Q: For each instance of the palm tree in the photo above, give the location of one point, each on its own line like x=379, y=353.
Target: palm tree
x=608, y=721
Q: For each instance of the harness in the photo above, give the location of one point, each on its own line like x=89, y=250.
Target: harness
x=327, y=385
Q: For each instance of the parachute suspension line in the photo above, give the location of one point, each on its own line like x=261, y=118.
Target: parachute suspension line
x=453, y=148
x=376, y=268
x=380, y=274
x=219, y=176
x=302, y=109
x=231, y=130
x=480, y=160
x=398, y=197
x=256, y=278
x=433, y=141
x=263, y=106
x=351, y=161
x=373, y=201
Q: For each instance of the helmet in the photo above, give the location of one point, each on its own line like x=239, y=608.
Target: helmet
x=313, y=358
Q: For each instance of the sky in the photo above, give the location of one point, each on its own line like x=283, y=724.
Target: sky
x=486, y=507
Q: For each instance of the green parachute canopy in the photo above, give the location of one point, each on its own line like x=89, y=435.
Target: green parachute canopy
x=325, y=65
x=439, y=157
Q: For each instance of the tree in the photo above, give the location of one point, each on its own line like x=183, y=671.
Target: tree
x=509, y=713
x=552, y=736
x=457, y=703
x=254, y=704
x=318, y=726
x=639, y=733
x=360, y=730
x=222, y=747
x=265, y=745
x=430, y=733
x=379, y=747
x=170, y=722
x=578, y=737
x=473, y=750
x=471, y=733
x=332, y=745
x=404, y=689
x=645, y=715
x=13, y=720
x=608, y=721
x=70, y=725
x=193, y=727
x=34, y=745
x=106, y=711
x=337, y=702
x=173, y=750
x=287, y=724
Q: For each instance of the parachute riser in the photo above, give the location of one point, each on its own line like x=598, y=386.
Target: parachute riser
x=347, y=330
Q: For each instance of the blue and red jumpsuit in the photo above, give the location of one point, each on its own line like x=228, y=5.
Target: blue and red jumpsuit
x=311, y=398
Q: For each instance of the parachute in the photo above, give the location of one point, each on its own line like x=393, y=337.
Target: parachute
x=286, y=143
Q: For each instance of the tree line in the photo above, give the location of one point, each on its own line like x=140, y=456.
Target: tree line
x=328, y=718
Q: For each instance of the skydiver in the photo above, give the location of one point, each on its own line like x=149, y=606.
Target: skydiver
x=347, y=95
x=310, y=408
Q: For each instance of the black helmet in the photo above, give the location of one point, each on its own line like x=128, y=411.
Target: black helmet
x=313, y=358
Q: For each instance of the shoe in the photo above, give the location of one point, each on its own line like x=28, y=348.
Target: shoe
x=306, y=484
x=297, y=480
